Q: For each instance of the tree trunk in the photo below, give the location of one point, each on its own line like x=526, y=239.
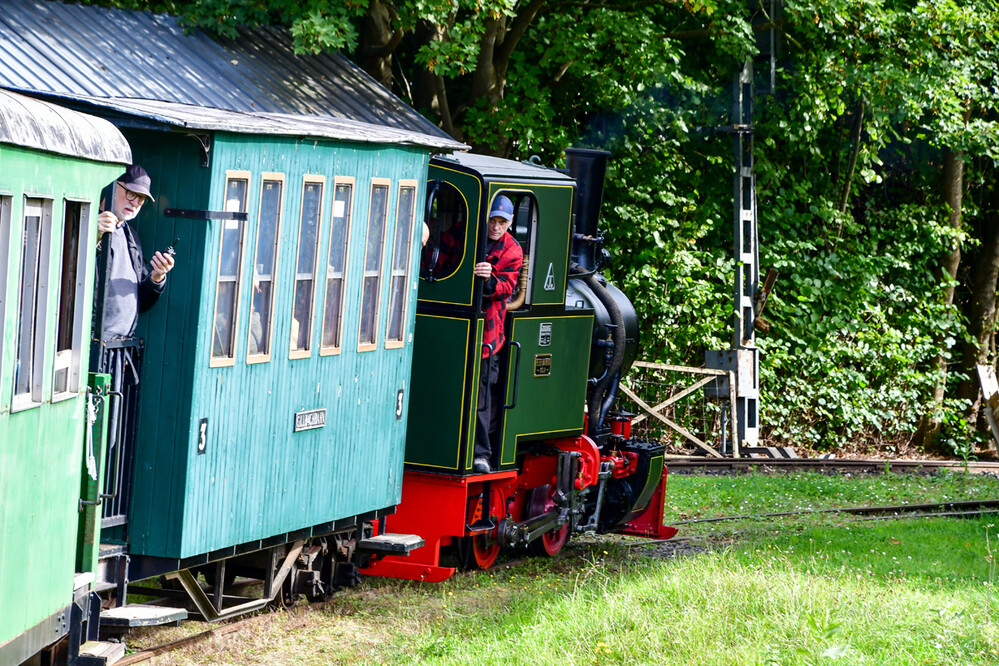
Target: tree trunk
x=429, y=89
x=951, y=190
x=981, y=311
x=378, y=41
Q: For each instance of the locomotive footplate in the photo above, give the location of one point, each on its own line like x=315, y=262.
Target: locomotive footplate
x=391, y=544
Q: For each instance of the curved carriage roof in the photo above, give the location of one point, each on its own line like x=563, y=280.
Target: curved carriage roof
x=127, y=60
x=32, y=123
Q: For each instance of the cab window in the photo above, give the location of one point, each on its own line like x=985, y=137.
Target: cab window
x=523, y=229
x=447, y=219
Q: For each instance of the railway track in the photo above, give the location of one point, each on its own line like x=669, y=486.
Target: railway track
x=692, y=464
x=890, y=512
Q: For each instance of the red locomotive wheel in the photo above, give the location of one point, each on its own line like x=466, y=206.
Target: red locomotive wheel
x=479, y=550
x=550, y=543
x=485, y=553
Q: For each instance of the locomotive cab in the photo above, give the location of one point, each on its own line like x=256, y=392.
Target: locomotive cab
x=547, y=343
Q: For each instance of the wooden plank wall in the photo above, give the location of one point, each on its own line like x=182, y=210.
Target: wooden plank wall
x=257, y=478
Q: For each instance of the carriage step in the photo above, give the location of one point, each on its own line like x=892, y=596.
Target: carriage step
x=391, y=544
x=97, y=653
x=140, y=615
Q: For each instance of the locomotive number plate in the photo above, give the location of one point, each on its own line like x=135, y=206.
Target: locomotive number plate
x=310, y=420
x=542, y=365
x=545, y=335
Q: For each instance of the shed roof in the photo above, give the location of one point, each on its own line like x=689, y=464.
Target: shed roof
x=35, y=124
x=125, y=59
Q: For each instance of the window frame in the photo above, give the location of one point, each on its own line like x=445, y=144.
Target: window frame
x=391, y=343
x=72, y=358
x=532, y=241
x=350, y=181
x=306, y=179
x=470, y=224
x=373, y=345
x=229, y=361
x=265, y=177
x=35, y=395
x=6, y=206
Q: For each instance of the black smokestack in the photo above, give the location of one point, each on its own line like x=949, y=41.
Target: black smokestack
x=589, y=168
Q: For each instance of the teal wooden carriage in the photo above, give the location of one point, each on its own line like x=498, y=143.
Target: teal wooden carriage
x=53, y=163
x=275, y=392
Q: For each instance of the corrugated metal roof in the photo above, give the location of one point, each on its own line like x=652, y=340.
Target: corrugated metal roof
x=35, y=124
x=92, y=53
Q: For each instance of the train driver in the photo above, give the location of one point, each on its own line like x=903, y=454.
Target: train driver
x=499, y=271
x=131, y=286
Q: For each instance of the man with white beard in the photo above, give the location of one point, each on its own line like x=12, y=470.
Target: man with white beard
x=132, y=287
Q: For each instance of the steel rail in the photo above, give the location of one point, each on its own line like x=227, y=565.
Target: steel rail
x=889, y=511
x=149, y=653
x=699, y=463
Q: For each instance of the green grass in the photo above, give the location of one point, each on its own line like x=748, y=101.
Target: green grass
x=803, y=590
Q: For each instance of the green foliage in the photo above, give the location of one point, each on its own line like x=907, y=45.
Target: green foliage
x=859, y=312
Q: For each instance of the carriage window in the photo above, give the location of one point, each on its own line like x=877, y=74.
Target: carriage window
x=343, y=196
x=373, y=251
x=5, y=204
x=230, y=262
x=30, y=347
x=447, y=214
x=69, y=330
x=305, y=269
x=264, y=264
x=398, y=293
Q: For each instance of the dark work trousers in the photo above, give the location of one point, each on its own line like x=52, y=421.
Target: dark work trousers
x=491, y=404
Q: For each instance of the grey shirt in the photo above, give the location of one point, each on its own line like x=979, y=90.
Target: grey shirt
x=121, y=305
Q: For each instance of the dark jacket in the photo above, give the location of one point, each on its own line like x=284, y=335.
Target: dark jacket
x=149, y=291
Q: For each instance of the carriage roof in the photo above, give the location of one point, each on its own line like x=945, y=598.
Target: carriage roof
x=31, y=123
x=145, y=66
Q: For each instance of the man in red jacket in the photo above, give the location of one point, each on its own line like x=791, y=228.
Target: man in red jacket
x=500, y=271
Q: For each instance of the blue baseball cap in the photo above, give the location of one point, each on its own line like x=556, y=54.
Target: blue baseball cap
x=502, y=207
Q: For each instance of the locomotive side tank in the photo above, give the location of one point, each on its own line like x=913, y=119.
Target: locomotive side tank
x=53, y=164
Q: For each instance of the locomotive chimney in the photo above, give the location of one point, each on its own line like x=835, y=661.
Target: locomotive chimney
x=589, y=168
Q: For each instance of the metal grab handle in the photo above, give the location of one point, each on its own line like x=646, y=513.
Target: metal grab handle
x=516, y=375
x=489, y=375
x=117, y=462
x=99, y=501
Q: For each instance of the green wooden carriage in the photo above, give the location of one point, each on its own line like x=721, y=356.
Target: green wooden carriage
x=53, y=163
